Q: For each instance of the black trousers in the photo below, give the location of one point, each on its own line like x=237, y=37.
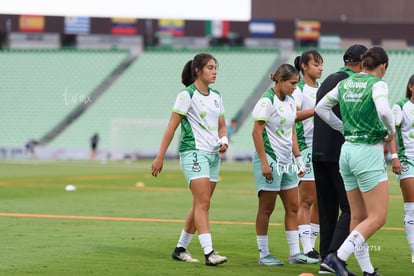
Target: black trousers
x=332, y=197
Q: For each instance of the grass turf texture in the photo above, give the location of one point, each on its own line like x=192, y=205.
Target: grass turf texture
x=109, y=226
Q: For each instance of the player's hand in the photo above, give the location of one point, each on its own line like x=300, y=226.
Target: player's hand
x=267, y=173
x=223, y=144
x=223, y=148
x=388, y=138
x=396, y=166
x=156, y=166
x=300, y=165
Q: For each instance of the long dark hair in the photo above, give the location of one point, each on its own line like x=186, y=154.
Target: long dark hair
x=373, y=57
x=305, y=57
x=188, y=74
x=409, y=93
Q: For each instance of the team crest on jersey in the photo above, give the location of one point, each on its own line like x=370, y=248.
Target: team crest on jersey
x=216, y=104
x=404, y=167
x=308, y=169
x=196, y=167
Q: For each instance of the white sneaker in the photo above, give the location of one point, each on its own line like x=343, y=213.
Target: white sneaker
x=182, y=254
x=214, y=259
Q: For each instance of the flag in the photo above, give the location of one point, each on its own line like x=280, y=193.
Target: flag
x=31, y=23
x=77, y=24
x=218, y=28
x=307, y=30
x=172, y=26
x=262, y=28
x=124, y=26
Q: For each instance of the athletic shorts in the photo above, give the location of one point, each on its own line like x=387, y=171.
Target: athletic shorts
x=407, y=169
x=196, y=164
x=307, y=160
x=285, y=177
x=362, y=166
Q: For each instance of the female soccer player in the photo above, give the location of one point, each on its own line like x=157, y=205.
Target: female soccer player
x=199, y=109
x=366, y=123
x=275, y=172
x=403, y=112
x=310, y=64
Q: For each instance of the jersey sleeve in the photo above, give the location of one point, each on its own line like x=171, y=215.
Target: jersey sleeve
x=297, y=96
x=221, y=106
x=380, y=97
x=397, y=114
x=262, y=110
x=182, y=103
x=325, y=112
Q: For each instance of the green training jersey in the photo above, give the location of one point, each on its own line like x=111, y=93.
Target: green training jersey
x=358, y=111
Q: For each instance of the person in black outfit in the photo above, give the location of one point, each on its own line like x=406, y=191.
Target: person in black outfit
x=326, y=148
x=94, y=145
x=30, y=147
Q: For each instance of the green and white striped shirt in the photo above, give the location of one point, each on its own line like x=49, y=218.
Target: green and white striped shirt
x=305, y=98
x=403, y=112
x=279, y=116
x=199, y=127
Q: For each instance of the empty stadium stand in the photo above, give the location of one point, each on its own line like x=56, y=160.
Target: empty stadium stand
x=132, y=114
x=41, y=88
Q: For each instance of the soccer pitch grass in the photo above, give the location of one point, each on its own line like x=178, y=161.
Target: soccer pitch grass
x=111, y=226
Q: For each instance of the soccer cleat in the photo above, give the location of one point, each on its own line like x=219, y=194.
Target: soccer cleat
x=326, y=269
x=182, y=254
x=337, y=264
x=270, y=260
x=213, y=258
x=313, y=254
x=327, y=265
x=375, y=273
x=301, y=258
x=412, y=258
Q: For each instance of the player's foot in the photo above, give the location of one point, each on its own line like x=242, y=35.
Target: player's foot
x=375, y=273
x=301, y=258
x=327, y=265
x=270, y=260
x=313, y=254
x=337, y=264
x=213, y=258
x=325, y=268
x=182, y=254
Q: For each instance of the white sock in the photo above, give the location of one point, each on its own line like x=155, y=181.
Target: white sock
x=409, y=223
x=362, y=255
x=314, y=233
x=354, y=240
x=206, y=242
x=293, y=242
x=305, y=237
x=263, y=245
x=185, y=239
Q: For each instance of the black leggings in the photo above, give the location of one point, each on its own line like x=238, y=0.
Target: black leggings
x=331, y=196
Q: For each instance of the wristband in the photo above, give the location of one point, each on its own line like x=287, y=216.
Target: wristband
x=224, y=140
x=299, y=163
x=394, y=156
